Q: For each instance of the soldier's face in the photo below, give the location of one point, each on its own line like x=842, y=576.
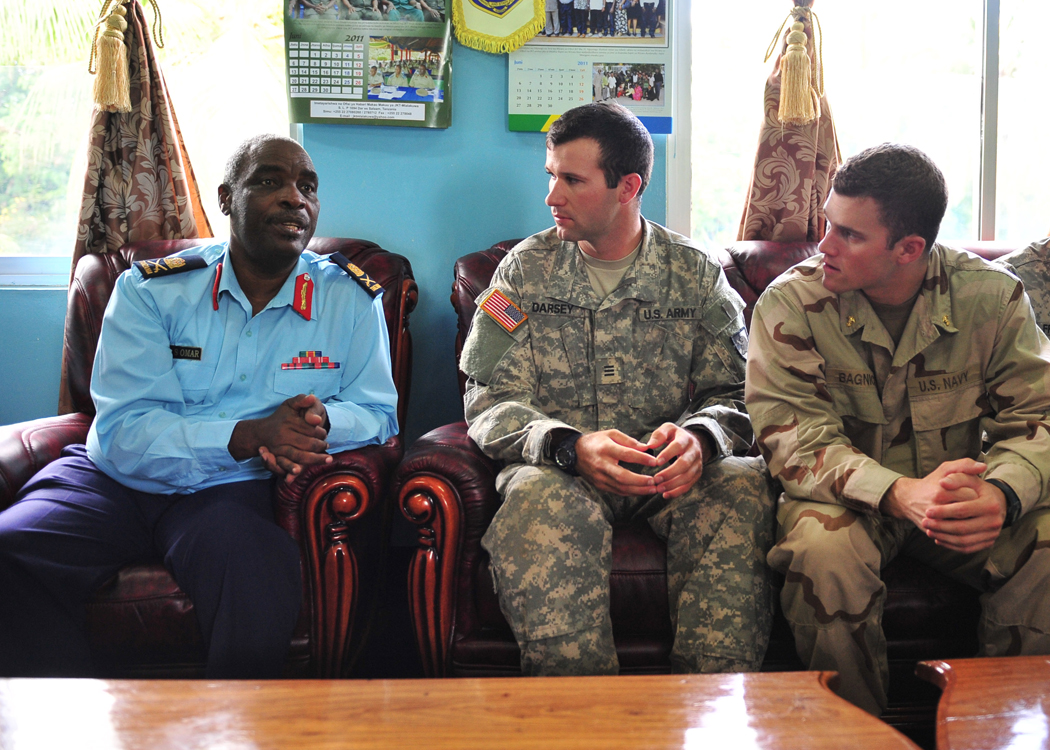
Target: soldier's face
x=273, y=208
x=583, y=207
x=855, y=251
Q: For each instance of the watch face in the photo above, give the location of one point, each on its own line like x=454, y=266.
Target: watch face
x=565, y=458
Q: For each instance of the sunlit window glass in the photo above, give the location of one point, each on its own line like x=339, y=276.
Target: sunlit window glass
x=1022, y=188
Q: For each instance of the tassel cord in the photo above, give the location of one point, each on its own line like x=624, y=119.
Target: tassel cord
x=798, y=13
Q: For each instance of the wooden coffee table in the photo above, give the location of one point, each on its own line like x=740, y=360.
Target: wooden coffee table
x=785, y=710
x=991, y=703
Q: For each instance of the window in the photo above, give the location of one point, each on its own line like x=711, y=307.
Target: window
x=224, y=65
x=915, y=79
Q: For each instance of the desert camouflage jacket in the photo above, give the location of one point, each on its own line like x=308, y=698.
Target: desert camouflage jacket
x=667, y=345
x=1033, y=266
x=831, y=398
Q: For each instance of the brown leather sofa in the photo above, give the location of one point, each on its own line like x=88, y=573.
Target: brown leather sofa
x=140, y=623
x=445, y=487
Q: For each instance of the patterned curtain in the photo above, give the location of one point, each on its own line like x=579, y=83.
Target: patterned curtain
x=139, y=184
x=793, y=166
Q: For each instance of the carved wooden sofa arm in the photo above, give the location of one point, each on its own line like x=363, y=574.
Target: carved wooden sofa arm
x=446, y=487
x=338, y=515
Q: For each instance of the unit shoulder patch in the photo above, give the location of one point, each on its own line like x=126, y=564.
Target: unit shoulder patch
x=167, y=266
x=370, y=285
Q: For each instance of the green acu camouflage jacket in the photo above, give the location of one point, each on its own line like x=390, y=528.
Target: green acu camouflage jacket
x=841, y=414
x=667, y=345
x=1032, y=264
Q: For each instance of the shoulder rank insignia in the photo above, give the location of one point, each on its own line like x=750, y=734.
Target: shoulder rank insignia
x=503, y=311
x=370, y=285
x=171, y=264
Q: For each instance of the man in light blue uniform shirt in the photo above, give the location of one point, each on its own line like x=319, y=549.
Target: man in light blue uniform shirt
x=219, y=370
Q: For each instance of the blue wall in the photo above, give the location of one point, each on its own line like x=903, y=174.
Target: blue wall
x=431, y=195
x=31, y=323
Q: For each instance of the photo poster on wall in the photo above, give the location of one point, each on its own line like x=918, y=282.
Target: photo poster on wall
x=617, y=51
x=369, y=62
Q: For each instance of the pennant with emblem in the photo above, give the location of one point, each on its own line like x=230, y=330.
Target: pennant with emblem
x=497, y=26
x=304, y=295
x=503, y=311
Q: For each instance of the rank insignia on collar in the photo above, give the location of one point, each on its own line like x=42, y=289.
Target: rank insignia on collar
x=503, y=311
x=167, y=266
x=303, y=301
x=370, y=285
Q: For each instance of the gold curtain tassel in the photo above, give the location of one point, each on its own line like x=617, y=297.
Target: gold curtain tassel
x=112, y=90
x=796, y=84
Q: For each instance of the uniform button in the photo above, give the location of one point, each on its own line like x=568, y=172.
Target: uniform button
x=243, y=378
x=222, y=414
x=311, y=391
x=222, y=468
x=249, y=334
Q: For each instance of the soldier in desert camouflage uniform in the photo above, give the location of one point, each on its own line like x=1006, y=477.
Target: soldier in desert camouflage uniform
x=1032, y=264
x=609, y=379
x=874, y=372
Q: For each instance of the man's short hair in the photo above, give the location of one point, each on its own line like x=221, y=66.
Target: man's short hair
x=238, y=161
x=907, y=185
x=624, y=145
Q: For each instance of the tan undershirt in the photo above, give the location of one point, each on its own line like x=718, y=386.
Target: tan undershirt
x=894, y=317
x=606, y=275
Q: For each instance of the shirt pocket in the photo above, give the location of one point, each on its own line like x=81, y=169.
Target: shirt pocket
x=562, y=347
x=948, y=425
x=659, y=363
x=196, y=379
x=321, y=383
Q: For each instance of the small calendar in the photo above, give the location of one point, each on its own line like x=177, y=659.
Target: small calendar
x=330, y=68
x=545, y=82
x=541, y=89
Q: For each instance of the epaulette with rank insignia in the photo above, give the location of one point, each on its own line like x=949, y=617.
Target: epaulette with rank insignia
x=171, y=264
x=370, y=285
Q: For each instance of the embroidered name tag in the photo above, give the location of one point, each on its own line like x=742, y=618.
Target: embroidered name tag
x=186, y=352
x=668, y=313
x=934, y=385
x=850, y=378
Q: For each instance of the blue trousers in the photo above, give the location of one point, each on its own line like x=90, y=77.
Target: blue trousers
x=565, y=17
x=73, y=527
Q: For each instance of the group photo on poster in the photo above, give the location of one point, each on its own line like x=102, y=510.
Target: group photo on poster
x=628, y=83
x=604, y=21
x=405, y=68
x=418, y=11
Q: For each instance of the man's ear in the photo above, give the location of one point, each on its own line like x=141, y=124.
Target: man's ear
x=630, y=184
x=225, y=197
x=910, y=249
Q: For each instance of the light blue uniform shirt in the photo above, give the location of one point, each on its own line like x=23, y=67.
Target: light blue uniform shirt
x=163, y=424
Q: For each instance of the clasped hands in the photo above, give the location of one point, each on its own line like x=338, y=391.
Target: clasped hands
x=599, y=456
x=952, y=505
x=294, y=436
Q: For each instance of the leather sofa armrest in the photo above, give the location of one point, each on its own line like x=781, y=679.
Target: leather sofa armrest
x=27, y=447
x=320, y=509
x=447, y=487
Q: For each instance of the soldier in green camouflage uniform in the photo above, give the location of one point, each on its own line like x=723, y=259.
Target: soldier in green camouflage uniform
x=875, y=371
x=652, y=373
x=361, y=10
x=1032, y=264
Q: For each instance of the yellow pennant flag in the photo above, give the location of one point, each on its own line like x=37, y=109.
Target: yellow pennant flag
x=496, y=26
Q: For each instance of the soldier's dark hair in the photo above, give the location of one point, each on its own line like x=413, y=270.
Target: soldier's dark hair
x=907, y=185
x=624, y=145
x=238, y=161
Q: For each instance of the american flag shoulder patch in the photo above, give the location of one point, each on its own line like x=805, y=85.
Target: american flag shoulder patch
x=503, y=311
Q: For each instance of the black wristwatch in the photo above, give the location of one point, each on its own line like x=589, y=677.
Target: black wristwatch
x=564, y=453
x=1013, y=503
